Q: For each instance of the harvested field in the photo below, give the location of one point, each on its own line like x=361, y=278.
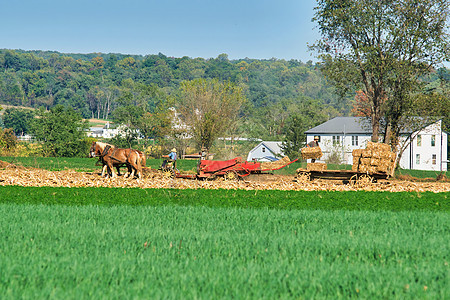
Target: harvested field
x=9, y=175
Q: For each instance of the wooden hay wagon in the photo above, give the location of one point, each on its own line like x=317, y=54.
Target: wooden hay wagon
x=375, y=162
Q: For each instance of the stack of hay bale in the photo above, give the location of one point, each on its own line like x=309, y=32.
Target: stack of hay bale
x=275, y=164
x=311, y=153
x=376, y=158
x=316, y=167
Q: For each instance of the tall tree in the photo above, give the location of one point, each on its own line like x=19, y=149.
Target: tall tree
x=18, y=119
x=62, y=132
x=381, y=48
x=209, y=108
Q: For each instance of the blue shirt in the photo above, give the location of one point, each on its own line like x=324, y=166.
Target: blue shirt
x=173, y=155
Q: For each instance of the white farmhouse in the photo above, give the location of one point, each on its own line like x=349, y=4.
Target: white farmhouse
x=266, y=152
x=108, y=131
x=425, y=149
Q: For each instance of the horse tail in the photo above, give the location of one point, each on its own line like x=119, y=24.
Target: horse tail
x=143, y=159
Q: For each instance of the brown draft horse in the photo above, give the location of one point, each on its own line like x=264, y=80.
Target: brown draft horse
x=111, y=156
x=118, y=165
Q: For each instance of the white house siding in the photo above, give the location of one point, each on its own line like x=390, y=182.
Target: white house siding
x=409, y=156
x=419, y=155
x=344, y=148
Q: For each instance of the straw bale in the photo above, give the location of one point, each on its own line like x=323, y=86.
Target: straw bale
x=393, y=156
x=273, y=165
x=357, y=152
x=366, y=153
x=357, y=161
x=366, y=161
x=382, y=168
x=367, y=169
x=316, y=166
x=378, y=146
x=386, y=155
x=377, y=154
x=311, y=153
x=375, y=161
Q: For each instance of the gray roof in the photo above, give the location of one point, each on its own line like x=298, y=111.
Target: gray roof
x=274, y=147
x=341, y=125
x=362, y=126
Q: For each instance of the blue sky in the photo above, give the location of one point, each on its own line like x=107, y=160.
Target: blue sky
x=259, y=29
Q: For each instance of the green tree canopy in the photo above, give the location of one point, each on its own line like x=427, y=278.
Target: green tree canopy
x=381, y=48
x=62, y=132
x=209, y=108
x=18, y=119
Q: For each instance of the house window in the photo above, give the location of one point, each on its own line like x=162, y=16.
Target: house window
x=336, y=139
x=354, y=140
x=433, y=140
x=433, y=159
x=263, y=149
x=417, y=159
x=419, y=140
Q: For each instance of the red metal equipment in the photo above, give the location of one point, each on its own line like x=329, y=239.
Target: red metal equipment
x=230, y=169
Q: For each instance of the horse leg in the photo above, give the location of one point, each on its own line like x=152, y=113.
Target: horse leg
x=118, y=170
x=104, y=169
x=131, y=172
x=137, y=165
x=111, y=168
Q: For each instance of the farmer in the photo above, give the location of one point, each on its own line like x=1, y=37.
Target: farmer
x=172, y=158
x=314, y=143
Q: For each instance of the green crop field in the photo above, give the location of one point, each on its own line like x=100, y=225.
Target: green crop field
x=91, y=243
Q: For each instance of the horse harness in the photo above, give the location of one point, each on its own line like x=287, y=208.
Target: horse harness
x=106, y=150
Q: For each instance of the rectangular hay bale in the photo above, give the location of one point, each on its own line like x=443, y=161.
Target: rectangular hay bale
x=311, y=153
x=357, y=152
x=273, y=165
x=316, y=167
x=366, y=161
x=378, y=146
x=367, y=153
x=375, y=161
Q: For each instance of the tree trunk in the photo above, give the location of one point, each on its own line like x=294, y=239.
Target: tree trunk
x=375, y=128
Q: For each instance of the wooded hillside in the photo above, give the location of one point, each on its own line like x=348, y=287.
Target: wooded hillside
x=100, y=85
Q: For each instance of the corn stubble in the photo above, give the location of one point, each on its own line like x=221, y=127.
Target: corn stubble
x=12, y=175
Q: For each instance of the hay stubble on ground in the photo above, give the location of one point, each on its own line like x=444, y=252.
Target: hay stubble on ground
x=12, y=175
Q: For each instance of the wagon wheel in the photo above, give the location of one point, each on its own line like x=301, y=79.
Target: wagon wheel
x=364, y=180
x=169, y=173
x=231, y=175
x=353, y=180
x=360, y=181
x=303, y=177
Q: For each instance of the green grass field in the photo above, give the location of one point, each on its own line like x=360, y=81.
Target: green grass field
x=103, y=243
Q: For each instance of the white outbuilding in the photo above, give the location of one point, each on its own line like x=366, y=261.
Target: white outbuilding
x=266, y=152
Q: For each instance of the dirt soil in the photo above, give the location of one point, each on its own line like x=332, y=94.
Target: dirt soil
x=11, y=175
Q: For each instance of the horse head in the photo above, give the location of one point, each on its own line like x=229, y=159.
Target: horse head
x=92, y=151
x=98, y=148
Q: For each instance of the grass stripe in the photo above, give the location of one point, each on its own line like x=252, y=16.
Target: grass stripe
x=286, y=200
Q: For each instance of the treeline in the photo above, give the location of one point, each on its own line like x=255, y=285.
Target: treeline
x=97, y=84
